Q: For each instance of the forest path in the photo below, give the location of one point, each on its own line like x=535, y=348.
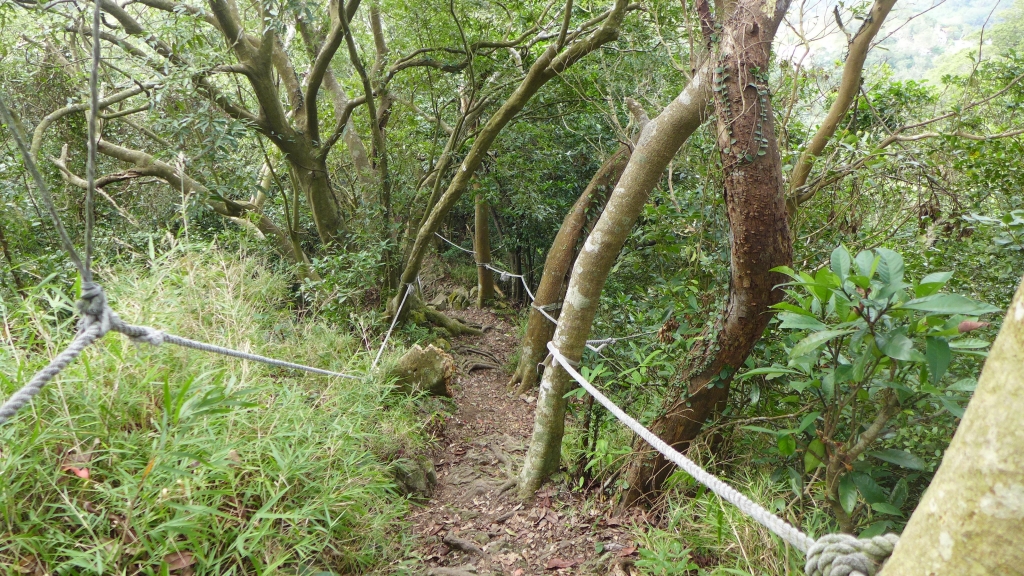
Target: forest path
x=474, y=525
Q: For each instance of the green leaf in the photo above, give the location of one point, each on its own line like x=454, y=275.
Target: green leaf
x=899, y=493
x=807, y=421
x=886, y=508
x=768, y=370
x=951, y=405
x=796, y=481
x=949, y=304
x=868, y=488
x=890, y=270
x=841, y=261
x=937, y=353
x=814, y=455
x=793, y=308
x=876, y=529
x=866, y=262
x=812, y=342
x=787, y=445
x=760, y=429
x=901, y=348
x=963, y=385
x=800, y=322
x=969, y=343
x=900, y=458
x=931, y=284
x=847, y=493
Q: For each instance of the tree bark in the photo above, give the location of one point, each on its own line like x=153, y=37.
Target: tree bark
x=555, y=278
x=482, y=248
x=656, y=146
x=971, y=519
x=759, y=238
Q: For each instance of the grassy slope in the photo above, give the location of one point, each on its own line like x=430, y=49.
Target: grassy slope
x=238, y=467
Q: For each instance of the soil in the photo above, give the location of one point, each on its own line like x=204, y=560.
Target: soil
x=475, y=524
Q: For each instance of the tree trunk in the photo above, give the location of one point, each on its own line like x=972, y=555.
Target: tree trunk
x=971, y=519
x=759, y=238
x=560, y=258
x=311, y=175
x=482, y=247
x=656, y=146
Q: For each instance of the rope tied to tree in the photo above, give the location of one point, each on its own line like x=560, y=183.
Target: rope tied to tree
x=830, y=555
x=847, y=555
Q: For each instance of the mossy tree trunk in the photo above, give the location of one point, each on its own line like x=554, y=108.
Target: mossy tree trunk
x=971, y=519
x=482, y=248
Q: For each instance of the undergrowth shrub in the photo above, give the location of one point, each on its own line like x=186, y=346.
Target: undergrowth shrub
x=142, y=460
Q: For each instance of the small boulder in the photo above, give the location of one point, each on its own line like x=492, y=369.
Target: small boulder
x=429, y=370
x=458, y=299
x=415, y=477
x=440, y=302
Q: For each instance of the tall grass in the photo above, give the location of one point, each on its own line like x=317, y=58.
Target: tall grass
x=197, y=463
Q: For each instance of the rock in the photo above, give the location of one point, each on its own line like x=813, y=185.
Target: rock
x=415, y=478
x=429, y=370
x=442, y=344
x=458, y=299
x=440, y=302
x=474, y=292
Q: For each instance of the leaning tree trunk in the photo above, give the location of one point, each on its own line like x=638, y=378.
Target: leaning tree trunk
x=971, y=519
x=482, y=248
x=555, y=278
x=658, y=143
x=759, y=240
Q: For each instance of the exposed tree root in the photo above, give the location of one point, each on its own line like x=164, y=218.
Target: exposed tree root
x=464, y=545
x=418, y=312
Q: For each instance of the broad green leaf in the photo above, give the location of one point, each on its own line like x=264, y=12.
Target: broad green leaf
x=900, y=458
x=890, y=269
x=812, y=342
x=968, y=343
x=800, y=322
x=841, y=261
x=792, y=308
x=937, y=353
x=951, y=405
x=787, y=445
x=949, y=304
x=876, y=529
x=899, y=493
x=901, y=348
x=806, y=421
x=799, y=385
x=768, y=370
x=814, y=455
x=847, y=493
x=760, y=429
x=886, y=508
x=931, y=284
x=866, y=263
x=868, y=488
x=963, y=385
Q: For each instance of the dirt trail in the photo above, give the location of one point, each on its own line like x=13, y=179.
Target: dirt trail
x=474, y=525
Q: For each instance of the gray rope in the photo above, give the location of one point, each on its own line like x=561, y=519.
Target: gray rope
x=97, y=318
x=394, y=321
x=831, y=555
x=454, y=244
x=22, y=397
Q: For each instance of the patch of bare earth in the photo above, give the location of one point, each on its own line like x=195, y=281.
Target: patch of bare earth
x=474, y=524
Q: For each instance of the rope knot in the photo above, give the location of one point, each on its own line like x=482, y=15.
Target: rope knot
x=846, y=555
x=95, y=310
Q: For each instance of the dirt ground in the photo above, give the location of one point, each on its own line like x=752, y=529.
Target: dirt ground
x=474, y=524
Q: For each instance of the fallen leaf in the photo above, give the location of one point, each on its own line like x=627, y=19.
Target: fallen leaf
x=179, y=560
x=518, y=572
x=82, y=473
x=613, y=522
x=968, y=325
x=556, y=563
x=627, y=551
